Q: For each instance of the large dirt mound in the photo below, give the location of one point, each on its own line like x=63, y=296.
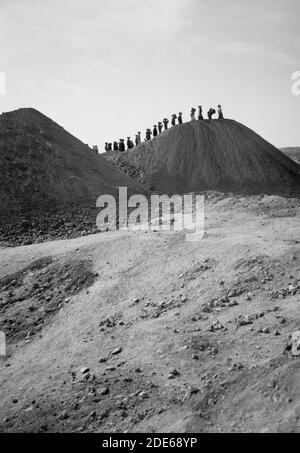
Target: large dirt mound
x=293, y=153
x=220, y=154
x=42, y=165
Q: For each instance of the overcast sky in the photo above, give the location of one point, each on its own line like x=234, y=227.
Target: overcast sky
x=106, y=69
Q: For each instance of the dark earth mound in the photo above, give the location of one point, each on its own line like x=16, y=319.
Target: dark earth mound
x=219, y=155
x=50, y=180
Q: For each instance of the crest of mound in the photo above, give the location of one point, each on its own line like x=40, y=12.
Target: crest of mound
x=42, y=165
x=219, y=155
x=293, y=153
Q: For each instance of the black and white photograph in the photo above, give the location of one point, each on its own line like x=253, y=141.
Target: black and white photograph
x=149, y=220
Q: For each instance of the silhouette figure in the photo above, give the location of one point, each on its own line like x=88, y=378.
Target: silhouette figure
x=148, y=135
x=155, y=131
x=116, y=147
x=180, y=118
x=200, y=114
x=220, y=112
x=210, y=113
x=160, y=127
x=193, y=111
x=121, y=145
x=173, y=122
x=130, y=143
x=166, y=122
x=106, y=146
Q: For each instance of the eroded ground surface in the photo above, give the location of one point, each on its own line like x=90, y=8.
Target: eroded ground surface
x=135, y=331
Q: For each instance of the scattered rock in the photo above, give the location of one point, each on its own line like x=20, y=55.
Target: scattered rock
x=233, y=303
x=216, y=326
x=103, y=391
x=63, y=415
x=294, y=344
x=266, y=330
x=173, y=373
x=144, y=395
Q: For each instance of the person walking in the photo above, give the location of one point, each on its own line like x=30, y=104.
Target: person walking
x=220, y=112
x=130, y=143
x=122, y=145
x=166, y=122
x=193, y=111
x=210, y=113
x=148, y=135
x=200, y=114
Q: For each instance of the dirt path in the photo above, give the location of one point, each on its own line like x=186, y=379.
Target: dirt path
x=177, y=336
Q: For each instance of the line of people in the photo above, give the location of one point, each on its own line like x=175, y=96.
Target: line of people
x=160, y=127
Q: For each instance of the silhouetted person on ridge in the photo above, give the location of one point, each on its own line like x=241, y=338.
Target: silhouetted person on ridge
x=160, y=127
x=148, y=135
x=116, y=147
x=173, y=122
x=193, y=111
x=200, y=114
x=155, y=132
x=106, y=147
x=220, y=112
x=180, y=118
x=210, y=113
x=121, y=145
x=137, y=140
x=166, y=122
x=109, y=147
x=130, y=143
x=140, y=139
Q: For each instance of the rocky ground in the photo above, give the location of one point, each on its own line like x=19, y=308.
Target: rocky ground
x=145, y=332
x=35, y=226
x=115, y=157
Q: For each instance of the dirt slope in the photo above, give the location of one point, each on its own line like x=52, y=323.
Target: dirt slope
x=293, y=153
x=130, y=306
x=41, y=165
x=222, y=155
